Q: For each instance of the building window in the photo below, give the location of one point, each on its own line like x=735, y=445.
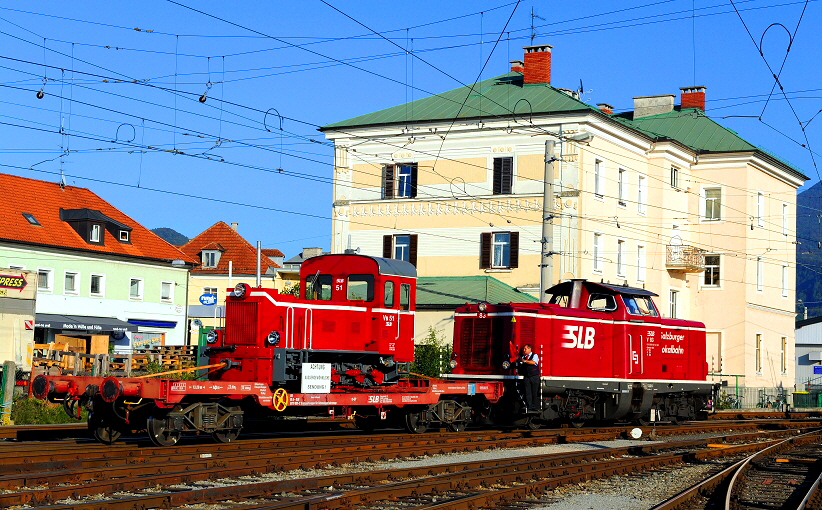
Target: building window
x=758, y=353
x=713, y=200
x=135, y=288
x=124, y=236
x=642, y=194
x=598, y=179
x=71, y=282
x=166, y=292
x=399, y=181
x=94, y=233
x=760, y=269
x=784, y=280
x=210, y=259
x=673, y=298
x=400, y=247
x=621, y=188
x=44, y=280
x=675, y=177
x=210, y=290
x=499, y=250
x=784, y=219
x=621, y=258
x=598, y=252
x=503, y=175
x=98, y=285
x=711, y=278
x=760, y=209
x=640, y=263
x=784, y=358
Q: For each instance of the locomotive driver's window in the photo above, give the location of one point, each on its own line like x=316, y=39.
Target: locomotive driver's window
x=405, y=296
x=639, y=305
x=360, y=287
x=389, y=294
x=602, y=303
x=558, y=299
x=318, y=287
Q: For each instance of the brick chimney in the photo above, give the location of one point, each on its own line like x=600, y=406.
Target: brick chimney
x=234, y=226
x=693, y=97
x=605, y=108
x=537, y=64
x=517, y=66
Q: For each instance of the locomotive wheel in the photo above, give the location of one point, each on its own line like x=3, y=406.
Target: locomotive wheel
x=102, y=431
x=533, y=423
x=457, y=426
x=414, y=423
x=159, y=434
x=225, y=436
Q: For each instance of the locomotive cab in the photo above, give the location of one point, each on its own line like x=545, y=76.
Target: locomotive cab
x=352, y=323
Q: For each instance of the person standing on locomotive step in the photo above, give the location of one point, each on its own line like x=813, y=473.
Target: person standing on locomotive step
x=529, y=369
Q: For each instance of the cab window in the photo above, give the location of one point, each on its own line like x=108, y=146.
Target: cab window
x=388, y=294
x=360, y=287
x=602, y=303
x=640, y=305
x=405, y=296
x=318, y=287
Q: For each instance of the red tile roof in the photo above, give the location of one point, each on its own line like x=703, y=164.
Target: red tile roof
x=234, y=247
x=272, y=252
x=43, y=200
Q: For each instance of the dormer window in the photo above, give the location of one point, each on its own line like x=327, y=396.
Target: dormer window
x=124, y=237
x=94, y=233
x=211, y=258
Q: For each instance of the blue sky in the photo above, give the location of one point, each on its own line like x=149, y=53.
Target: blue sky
x=109, y=72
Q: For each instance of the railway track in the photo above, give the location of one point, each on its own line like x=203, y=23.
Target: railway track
x=785, y=475
x=86, y=475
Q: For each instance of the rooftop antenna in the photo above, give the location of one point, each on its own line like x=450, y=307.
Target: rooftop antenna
x=534, y=16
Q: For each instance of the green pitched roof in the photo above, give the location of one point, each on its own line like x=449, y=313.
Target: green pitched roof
x=495, y=97
x=453, y=291
x=499, y=97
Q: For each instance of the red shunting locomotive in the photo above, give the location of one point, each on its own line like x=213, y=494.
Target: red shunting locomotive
x=333, y=352
x=605, y=354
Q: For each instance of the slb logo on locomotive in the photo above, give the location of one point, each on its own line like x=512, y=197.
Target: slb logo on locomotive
x=581, y=337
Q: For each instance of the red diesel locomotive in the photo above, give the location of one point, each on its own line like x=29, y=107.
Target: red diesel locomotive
x=605, y=354
x=334, y=352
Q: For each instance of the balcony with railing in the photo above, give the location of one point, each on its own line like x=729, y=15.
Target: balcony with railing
x=683, y=258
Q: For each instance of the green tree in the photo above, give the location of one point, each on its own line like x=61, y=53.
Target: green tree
x=294, y=289
x=432, y=356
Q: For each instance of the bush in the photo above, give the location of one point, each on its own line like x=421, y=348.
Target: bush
x=432, y=356
x=31, y=411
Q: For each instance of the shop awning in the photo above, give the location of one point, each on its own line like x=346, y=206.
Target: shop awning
x=153, y=323
x=91, y=325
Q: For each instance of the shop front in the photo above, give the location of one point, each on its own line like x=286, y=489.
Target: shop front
x=84, y=334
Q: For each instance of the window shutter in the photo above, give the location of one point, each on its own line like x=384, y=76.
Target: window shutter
x=414, y=180
x=412, y=250
x=388, y=181
x=497, y=176
x=387, y=246
x=514, y=260
x=507, y=175
x=485, y=250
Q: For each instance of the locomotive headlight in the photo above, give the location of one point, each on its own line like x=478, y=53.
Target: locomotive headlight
x=240, y=290
x=506, y=364
x=211, y=337
x=453, y=363
x=482, y=307
x=273, y=338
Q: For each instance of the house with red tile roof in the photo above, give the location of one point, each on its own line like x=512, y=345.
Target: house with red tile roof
x=226, y=259
x=102, y=278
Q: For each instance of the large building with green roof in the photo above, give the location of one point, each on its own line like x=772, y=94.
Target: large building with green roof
x=661, y=197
